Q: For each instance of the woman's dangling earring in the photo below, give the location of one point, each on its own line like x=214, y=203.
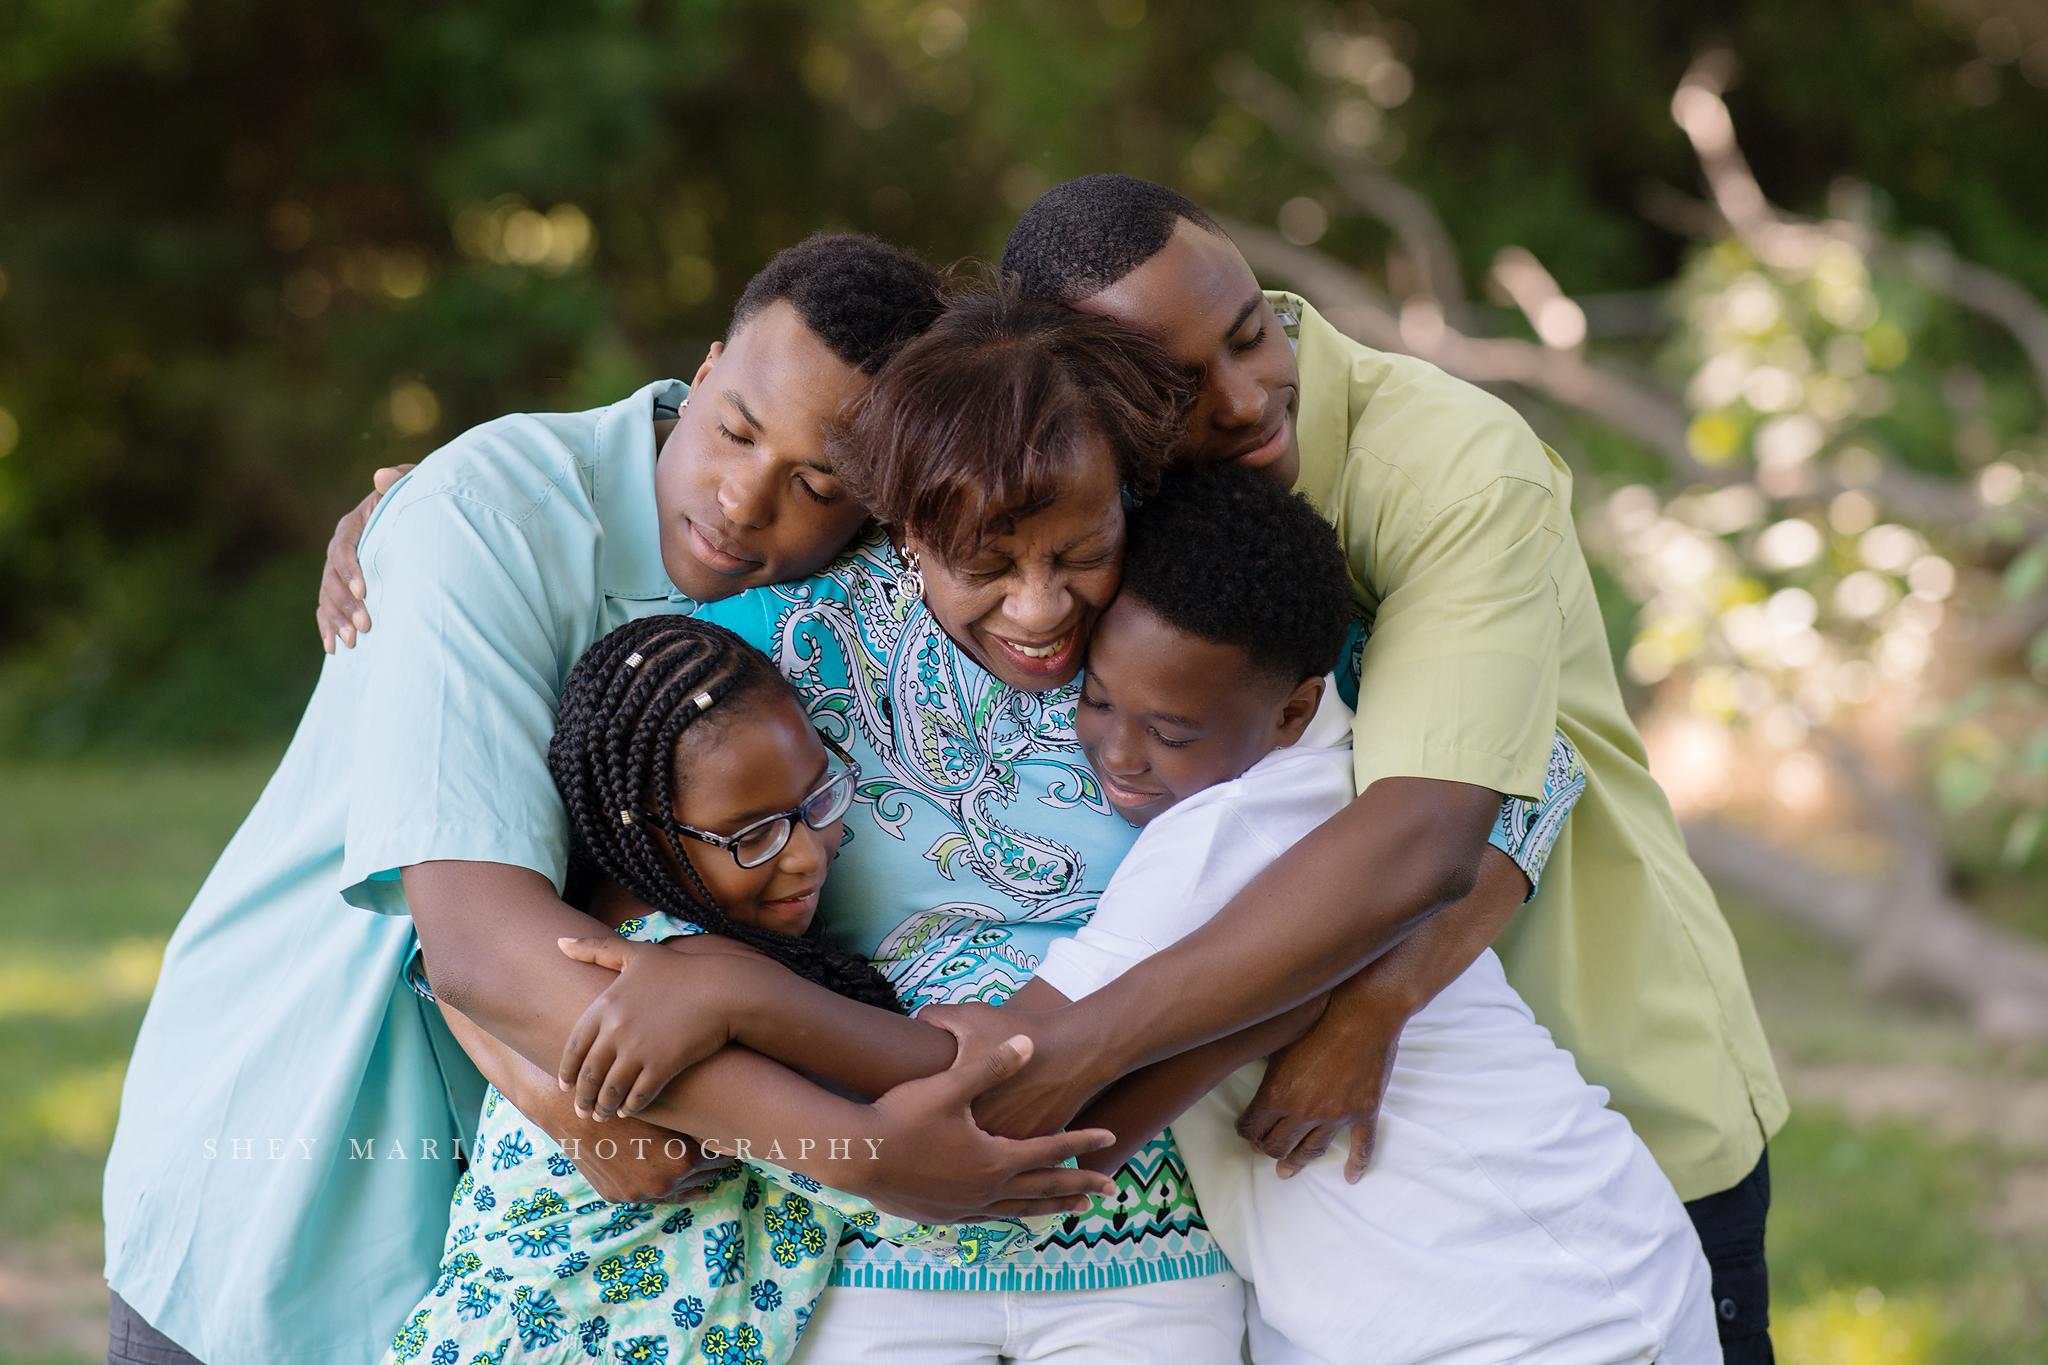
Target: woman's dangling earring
x=909, y=577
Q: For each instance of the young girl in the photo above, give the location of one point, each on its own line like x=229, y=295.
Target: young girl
x=693, y=780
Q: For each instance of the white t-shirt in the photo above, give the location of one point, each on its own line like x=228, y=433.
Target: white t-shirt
x=1507, y=1215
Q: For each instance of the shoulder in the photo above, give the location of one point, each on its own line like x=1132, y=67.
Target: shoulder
x=1406, y=425
x=511, y=467
x=530, y=465
x=1289, y=792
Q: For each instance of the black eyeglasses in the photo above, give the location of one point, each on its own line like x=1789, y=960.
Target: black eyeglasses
x=768, y=836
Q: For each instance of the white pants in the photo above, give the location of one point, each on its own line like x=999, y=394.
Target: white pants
x=1179, y=1322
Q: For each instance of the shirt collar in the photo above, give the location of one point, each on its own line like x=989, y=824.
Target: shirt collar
x=622, y=490
x=1323, y=405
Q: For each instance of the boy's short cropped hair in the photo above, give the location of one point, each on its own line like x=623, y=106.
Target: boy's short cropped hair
x=1227, y=555
x=1083, y=236
x=858, y=295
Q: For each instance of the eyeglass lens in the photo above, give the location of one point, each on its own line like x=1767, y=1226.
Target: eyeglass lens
x=752, y=847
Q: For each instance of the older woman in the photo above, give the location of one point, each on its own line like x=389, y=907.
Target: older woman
x=943, y=653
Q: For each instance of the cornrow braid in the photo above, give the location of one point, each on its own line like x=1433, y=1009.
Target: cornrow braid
x=623, y=711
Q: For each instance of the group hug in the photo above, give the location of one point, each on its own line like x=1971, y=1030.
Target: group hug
x=1080, y=817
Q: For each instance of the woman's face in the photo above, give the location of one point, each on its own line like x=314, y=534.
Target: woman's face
x=1024, y=603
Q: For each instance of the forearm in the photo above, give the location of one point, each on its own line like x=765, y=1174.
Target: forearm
x=1414, y=971
x=1141, y=1105
x=854, y=1049
x=489, y=933
x=1341, y=897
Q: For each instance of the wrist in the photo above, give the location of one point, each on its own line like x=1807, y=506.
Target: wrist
x=1371, y=1003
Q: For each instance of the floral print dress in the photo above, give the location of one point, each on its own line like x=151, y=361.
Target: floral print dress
x=539, y=1268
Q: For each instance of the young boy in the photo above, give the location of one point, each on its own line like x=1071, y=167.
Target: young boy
x=1506, y=1214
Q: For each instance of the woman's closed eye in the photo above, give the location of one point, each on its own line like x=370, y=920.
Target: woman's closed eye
x=1169, y=743
x=1243, y=347
x=729, y=434
x=822, y=499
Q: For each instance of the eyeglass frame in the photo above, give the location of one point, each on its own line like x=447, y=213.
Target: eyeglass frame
x=730, y=842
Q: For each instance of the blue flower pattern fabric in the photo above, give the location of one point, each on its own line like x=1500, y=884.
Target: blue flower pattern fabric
x=538, y=1268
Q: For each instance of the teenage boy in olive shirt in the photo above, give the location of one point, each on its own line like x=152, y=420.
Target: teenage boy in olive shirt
x=1485, y=634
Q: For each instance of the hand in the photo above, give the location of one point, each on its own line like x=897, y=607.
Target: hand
x=341, y=613
x=933, y=1164
x=641, y=1171
x=627, y=1046
x=1046, y=1095
x=1334, y=1076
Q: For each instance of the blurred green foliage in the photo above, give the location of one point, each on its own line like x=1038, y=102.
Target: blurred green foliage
x=253, y=251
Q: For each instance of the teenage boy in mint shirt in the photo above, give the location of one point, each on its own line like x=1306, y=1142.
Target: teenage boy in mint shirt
x=290, y=1120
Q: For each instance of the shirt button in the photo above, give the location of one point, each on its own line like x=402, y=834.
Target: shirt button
x=1727, y=1310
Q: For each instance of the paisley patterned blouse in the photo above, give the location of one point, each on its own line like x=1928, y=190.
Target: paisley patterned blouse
x=978, y=837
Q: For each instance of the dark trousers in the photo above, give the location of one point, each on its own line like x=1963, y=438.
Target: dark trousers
x=1731, y=1228
x=131, y=1341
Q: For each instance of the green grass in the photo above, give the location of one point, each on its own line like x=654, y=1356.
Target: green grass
x=101, y=859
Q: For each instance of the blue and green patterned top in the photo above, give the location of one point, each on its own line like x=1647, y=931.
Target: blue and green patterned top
x=978, y=837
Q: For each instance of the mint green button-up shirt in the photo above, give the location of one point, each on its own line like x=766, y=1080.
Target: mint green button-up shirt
x=287, y=1131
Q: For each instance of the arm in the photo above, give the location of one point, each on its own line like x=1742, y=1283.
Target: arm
x=642, y=1176
x=1143, y=1103
x=915, y=1151
x=1347, y=892
x=340, y=612
x=624, y=1049
x=491, y=935
x=1337, y=1073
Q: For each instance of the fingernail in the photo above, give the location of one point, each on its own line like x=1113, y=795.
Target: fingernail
x=355, y=585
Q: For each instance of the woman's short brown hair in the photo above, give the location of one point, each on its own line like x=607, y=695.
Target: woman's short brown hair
x=979, y=422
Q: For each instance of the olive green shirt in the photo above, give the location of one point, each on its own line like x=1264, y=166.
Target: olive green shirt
x=1485, y=634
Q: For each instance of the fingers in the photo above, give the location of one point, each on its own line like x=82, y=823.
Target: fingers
x=1043, y=1172
x=1365, y=1135
x=1284, y=1136
x=1058, y=1183
x=1310, y=1148
x=576, y=1052
x=1258, y=1119
x=609, y=952
x=619, y=1081
x=973, y=1073
x=649, y=1084
x=1039, y=1208
x=389, y=475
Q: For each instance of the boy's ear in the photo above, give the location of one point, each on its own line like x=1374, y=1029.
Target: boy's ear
x=710, y=359
x=1298, y=711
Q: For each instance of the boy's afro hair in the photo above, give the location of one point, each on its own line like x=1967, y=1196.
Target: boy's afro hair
x=1085, y=235
x=1229, y=556
x=859, y=295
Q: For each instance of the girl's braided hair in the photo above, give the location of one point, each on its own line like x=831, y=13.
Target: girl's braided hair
x=623, y=713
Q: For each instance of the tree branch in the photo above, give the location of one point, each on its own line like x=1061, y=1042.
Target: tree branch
x=1411, y=215
x=1936, y=942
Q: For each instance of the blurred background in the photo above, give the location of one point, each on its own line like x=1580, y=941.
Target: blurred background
x=1768, y=276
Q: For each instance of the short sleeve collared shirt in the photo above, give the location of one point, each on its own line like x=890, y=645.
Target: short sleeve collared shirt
x=285, y=1146
x=1484, y=636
